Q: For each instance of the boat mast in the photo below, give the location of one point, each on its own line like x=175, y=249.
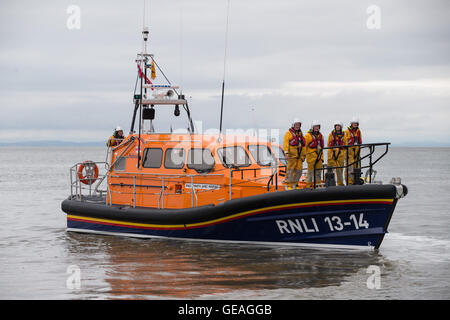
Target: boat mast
x=224, y=65
x=142, y=60
x=144, y=104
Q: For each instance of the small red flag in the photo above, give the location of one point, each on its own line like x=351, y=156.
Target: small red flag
x=142, y=75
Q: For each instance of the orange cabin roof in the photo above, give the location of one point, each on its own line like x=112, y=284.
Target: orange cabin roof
x=212, y=143
x=220, y=168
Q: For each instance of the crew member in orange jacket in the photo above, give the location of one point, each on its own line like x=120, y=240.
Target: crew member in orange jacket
x=336, y=156
x=352, y=137
x=314, y=154
x=294, y=150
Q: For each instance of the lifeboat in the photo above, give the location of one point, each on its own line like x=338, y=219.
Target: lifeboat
x=220, y=188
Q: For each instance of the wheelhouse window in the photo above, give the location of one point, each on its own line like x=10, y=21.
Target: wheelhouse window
x=262, y=155
x=235, y=156
x=174, y=158
x=152, y=158
x=280, y=154
x=200, y=160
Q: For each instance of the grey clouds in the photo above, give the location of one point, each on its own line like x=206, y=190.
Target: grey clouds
x=285, y=59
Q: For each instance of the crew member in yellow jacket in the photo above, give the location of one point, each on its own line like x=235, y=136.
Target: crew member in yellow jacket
x=294, y=150
x=352, y=137
x=116, y=138
x=314, y=154
x=336, y=156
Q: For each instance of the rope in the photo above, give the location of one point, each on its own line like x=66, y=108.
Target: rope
x=167, y=79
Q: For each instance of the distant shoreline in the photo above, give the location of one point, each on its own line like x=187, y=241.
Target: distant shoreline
x=52, y=144
x=103, y=144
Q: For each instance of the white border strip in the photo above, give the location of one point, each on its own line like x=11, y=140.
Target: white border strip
x=293, y=244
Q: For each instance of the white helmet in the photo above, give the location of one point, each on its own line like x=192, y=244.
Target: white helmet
x=338, y=123
x=315, y=123
x=118, y=129
x=354, y=120
x=296, y=120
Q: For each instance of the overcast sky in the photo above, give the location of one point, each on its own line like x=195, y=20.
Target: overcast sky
x=285, y=59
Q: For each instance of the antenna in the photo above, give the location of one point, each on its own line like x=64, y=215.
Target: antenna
x=143, y=16
x=181, y=47
x=224, y=64
x=143, y=62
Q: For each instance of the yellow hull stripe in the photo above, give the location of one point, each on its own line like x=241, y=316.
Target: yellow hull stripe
x=231, y=217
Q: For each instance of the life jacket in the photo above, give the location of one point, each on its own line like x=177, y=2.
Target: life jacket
x=117, y=137
x=338, y=139
x=296, y=139
x=355, y=137
x=115, y=140
x=317, y=140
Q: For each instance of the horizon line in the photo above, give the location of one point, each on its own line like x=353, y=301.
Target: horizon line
x=98, y=143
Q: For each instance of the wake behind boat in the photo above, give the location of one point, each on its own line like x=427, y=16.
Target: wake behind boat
x=220, y=187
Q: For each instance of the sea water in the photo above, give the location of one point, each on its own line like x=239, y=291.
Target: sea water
x=39, y=259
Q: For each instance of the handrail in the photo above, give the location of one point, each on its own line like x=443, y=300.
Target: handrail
x=163, y=187
x=275, y=174
x=167, y=174
x=161, y=194
x=159, y=176
x=102, y=178
x=371, y=146
x=141, y=179
x=193, y=193
x=76, y=187
x=130, y=143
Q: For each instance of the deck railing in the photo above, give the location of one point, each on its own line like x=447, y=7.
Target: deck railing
x=161, y=183
x=80, y=190
x=100, y=188
x=193, y=182
x=370, y=158
x=356, y=162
